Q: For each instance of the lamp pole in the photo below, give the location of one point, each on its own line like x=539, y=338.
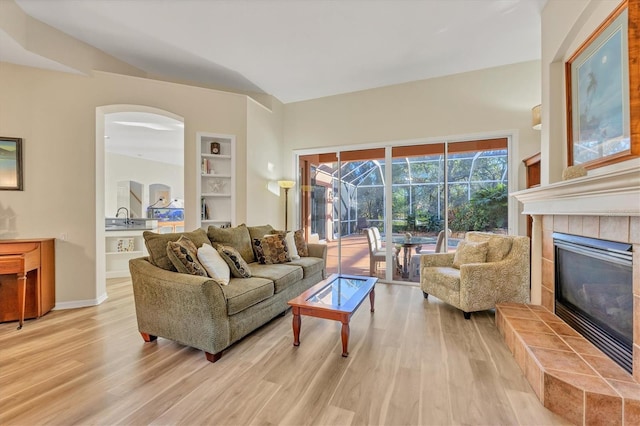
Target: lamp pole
x=286, y=185
x=286, y=208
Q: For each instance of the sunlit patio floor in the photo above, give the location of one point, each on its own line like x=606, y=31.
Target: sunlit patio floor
x=355, y=257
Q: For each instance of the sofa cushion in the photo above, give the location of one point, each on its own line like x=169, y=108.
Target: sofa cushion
x=157, y=245
x=499, y=245
x=442, y=276
x=238, y=267
x=216, y=267
x=237, y=237
x=310, y=265
x=242, y=293
x=183, y=254
x=470, y=252
x=282, y=275
x=259, y=231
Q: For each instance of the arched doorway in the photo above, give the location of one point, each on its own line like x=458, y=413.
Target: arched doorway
x=138, y=144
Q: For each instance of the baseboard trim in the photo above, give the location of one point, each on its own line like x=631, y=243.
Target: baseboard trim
x=74, y=304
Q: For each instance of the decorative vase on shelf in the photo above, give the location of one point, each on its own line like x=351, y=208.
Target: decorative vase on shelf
x=407, y=237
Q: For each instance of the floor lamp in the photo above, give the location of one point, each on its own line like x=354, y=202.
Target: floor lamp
x=286, y=185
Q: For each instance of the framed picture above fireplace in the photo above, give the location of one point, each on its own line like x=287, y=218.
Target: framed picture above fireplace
x=599, y=102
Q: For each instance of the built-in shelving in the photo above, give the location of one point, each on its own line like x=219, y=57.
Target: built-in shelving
x=120, y=247
x=216, y=182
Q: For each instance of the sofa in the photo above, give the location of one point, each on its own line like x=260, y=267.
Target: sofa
x=200, y=311
x=485, y=269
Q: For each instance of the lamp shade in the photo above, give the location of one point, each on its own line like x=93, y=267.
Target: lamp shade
x=286, y=184
x=536, y=117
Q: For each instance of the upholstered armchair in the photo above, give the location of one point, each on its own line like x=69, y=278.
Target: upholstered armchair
x=414, y=263
x=485, y=269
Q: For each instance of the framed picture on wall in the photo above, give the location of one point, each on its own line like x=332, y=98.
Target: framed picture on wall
x=10, y=164
x=598, y=102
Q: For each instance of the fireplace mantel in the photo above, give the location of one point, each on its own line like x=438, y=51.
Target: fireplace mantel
x=612, y=194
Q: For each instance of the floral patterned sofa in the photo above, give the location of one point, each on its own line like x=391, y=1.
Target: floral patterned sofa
x=485, y=269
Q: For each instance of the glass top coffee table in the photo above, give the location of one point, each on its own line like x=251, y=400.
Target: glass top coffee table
x=335, y=298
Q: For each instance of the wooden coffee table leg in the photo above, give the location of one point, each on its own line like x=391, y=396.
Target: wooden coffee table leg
x=345, y=337
x=296, y=326
x=372, y=299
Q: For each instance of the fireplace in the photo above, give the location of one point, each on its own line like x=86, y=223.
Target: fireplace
x=594, y=292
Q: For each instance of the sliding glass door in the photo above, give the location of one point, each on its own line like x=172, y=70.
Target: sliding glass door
x=477, y=185
x=425, y=202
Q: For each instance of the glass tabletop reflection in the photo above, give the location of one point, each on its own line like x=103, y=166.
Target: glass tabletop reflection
x=338, y=291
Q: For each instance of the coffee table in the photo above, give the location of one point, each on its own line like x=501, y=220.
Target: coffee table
x=335, y=298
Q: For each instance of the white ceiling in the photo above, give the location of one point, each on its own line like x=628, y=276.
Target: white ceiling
x=299, y=50
x=294, y=50
x=145, y=136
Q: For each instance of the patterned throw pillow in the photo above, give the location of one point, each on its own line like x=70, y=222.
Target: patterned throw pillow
x=157, y=245
x=183, y=254
x=214, y=264
x=275, y=249
x=499, y=245
x=301, y=243
x=468, y=252
x=290, y=241
x=237, y=264
x=258, y=251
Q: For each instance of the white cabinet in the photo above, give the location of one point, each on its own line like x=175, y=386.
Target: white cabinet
x=120, y=246
x=216, y=184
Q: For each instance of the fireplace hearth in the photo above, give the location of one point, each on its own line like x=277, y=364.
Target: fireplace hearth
x=594, y=292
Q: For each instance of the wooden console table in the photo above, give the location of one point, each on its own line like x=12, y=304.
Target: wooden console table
x=27, y=278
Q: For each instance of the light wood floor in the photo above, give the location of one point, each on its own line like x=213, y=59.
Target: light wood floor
x=412, y=362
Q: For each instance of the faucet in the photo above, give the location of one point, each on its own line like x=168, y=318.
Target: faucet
x=126, y=221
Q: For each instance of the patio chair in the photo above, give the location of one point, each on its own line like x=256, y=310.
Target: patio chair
x=414, y=263
x=362, y=224
x=377, y=252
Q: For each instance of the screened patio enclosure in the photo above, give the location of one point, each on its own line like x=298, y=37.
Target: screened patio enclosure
x=456, y=186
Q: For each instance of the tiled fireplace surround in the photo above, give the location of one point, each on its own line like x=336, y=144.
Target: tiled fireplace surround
x=568, y=374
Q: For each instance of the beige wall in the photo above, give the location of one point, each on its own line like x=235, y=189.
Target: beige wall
x=487, y=102
x=123, y=167
x=264, y=164
x=55, y=114
x=565, y=26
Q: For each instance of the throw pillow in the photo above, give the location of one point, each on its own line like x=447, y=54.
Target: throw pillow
x=183, y=255
x=301, y=243
x=469, y=252
x=237, y=237
x=258, y=251
x=157, y=245
x=257, y=232
x=214, y=264
x=290, y=240
x=274, y=248
x=499, y=245
x=237, y=264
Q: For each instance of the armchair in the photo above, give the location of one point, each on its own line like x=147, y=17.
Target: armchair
x=503, y=275
x=414, y=263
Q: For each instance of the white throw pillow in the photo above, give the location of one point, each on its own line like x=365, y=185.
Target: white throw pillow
x=214, y=264
x=289, y=239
